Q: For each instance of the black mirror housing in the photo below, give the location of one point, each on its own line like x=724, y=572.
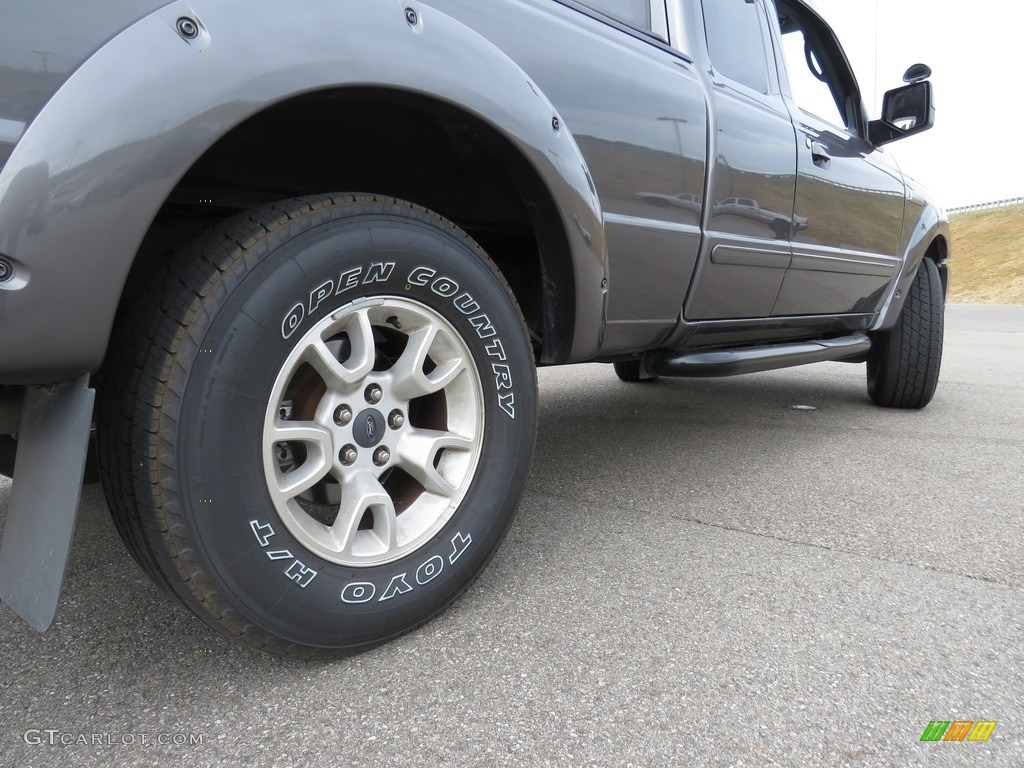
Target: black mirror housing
x=905, y=111
x=916, y=73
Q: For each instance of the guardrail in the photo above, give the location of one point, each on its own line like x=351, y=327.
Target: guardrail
x=984, y=206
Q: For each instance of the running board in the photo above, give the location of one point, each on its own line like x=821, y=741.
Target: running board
x=730, y=362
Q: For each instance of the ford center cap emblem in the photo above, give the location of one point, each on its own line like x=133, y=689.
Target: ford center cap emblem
x=368, y=428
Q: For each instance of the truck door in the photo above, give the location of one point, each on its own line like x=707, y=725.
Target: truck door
x=752, y=157
x=636, y=108
x=849, y=195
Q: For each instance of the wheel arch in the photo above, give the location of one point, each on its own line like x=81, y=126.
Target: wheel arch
x=98, y=191
x=927, y=236
x=938, y=251
x=395, y=143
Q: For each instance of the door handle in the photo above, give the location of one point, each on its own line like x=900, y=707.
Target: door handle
x=819, y=153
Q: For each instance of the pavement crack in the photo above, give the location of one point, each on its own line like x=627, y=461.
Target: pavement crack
x=794, y=542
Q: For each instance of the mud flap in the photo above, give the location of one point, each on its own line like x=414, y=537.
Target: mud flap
x=52, y=444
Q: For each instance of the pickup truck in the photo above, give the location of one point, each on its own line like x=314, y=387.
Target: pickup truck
x=281, y=275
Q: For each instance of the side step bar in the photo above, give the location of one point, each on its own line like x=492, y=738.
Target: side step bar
x=730, y=362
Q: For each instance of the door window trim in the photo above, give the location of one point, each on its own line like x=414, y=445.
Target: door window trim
x=659, y=20
x=771, y=75
x=658, y=37
x=838, y=68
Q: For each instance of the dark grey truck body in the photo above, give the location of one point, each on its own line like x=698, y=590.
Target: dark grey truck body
x=641, y=204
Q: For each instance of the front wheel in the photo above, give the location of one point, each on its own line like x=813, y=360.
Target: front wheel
x=903, y=364
x=333, y=420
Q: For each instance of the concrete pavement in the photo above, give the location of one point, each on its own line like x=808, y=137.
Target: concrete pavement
x=699, y=575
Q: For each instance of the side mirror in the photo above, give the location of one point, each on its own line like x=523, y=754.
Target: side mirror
x=905, y=111
x=916, y=73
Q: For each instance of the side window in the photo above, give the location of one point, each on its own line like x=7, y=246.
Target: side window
x=634, y=12
x=813, y=89
x=736, y=41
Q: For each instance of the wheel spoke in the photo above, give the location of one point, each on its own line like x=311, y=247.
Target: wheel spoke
x=361, y=492
x=417, y=452
x=318, y=463
x=408, y=379
x=345, y=376
x=302, y=432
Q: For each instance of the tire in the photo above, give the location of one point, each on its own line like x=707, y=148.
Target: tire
x=630, y=371
x=903, y=364
x=8, y=451
x=322, y=433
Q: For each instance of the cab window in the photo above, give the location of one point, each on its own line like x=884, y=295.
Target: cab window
x=816, y=74
x=636, y=13
x=735, y=38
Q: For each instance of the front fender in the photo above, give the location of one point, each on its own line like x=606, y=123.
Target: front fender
x=929, y=224
x=91, y=171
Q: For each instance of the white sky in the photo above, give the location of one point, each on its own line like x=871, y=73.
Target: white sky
x=972, y=154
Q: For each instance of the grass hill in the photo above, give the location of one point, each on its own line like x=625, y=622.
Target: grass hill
x=987, y=264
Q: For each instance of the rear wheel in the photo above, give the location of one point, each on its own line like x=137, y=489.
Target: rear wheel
x=904, y=361
x=333, y=417
x=8, y=451
x=630, y=371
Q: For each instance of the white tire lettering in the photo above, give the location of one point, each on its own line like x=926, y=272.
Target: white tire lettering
x=263, y=532
x=460, y=543
x=445, y=287
x=358, y=592
x=348, y=279
x=300, y=574
x=496, y=349
x=507, y=403
x=502, y=376
x=379, y=272
x=298, y=571
x=317, y=295
x=483, y=326
x=420, y=276
x=364, y=591
x=466, y=304
x=293, y=320
x=429, y=570
x=398, y=586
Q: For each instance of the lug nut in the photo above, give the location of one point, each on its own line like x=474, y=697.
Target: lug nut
x=342, y=415
x=381, y=456
x=396, y=419
x=373, y=394
x=348, y=455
